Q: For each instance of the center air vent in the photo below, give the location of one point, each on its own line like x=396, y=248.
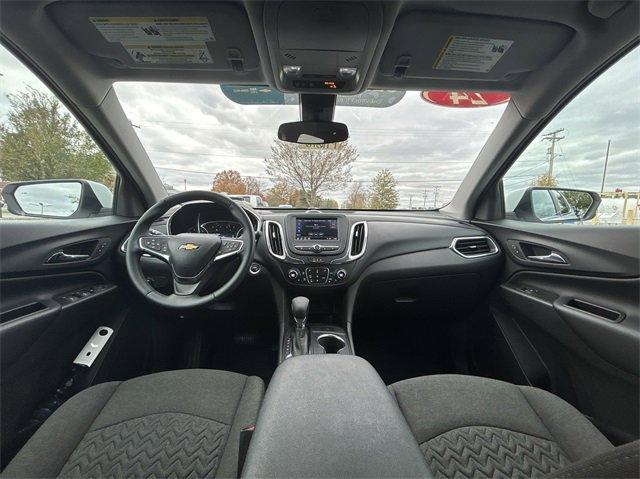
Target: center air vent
x=358, y=240
x=274, y=239
x=474, y=246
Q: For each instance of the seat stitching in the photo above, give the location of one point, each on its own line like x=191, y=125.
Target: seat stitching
x=155, y=414
x=573, y=470
x=487, y=425
x=233, y=420
x=543, y=423
x=88, y=428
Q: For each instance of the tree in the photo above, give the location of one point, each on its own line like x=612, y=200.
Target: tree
x=545, y=180
x=252, y=185
x=312, y=170
x=229, y=181
x=328, y=203
x=39, y=140
x=282, y=194
x=384, y=193
x=357, y=196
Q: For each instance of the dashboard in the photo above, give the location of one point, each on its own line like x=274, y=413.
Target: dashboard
x=207, y=217
x=337, y=249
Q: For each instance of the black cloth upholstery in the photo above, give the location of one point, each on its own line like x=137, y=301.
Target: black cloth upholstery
x=476, y=427
x=172, y=424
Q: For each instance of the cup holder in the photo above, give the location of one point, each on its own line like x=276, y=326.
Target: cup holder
x=331, y=343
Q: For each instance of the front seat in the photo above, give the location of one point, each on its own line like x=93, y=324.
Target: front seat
x=172, y=424
x=476, y=427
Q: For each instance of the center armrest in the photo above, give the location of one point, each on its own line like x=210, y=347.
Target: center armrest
x=331, y=416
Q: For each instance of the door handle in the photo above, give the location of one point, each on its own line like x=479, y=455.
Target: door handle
x=62, y=257
x=552, y=257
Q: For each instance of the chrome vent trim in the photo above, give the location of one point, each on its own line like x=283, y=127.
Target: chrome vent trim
x=275, y=239
x=493, y=248
x=358, y=239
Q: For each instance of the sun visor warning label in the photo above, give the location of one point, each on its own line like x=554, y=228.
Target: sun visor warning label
x=154, y=30
x=164, y=54
x=471, y=54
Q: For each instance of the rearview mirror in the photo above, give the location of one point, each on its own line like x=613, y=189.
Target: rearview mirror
x=313, y=132
x=57, y=198
x=552, y=205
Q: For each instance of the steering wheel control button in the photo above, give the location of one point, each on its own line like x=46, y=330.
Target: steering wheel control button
x=156, y=244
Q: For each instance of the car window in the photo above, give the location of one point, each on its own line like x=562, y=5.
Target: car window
x=42, y=143
x=593, y=144
x=406, y=149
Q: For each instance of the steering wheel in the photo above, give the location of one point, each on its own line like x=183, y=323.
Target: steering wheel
x=191, y=256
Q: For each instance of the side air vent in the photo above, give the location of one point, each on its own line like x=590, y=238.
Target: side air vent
x=275, y=237
x=358, y=240
x=474, y=246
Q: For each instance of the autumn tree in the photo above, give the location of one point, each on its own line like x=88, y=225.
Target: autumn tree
x=282, y=194
x=312, y=169
x=357, y=196
x=229, y=181
x=40, y=140
x=545, y=180
x=384, y=193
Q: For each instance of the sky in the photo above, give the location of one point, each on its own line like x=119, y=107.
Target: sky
x=193, y=131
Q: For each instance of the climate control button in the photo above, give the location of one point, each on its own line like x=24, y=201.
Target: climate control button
x=293, y=274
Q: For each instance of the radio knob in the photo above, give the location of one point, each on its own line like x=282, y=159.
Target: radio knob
x=293, y=274
x=317, y=248
x=341, y=274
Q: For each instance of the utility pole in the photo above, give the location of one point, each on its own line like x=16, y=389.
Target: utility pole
x=424, y=198
x=606, y=161
x=552, y=137
x=185, y=184
x=436, y=190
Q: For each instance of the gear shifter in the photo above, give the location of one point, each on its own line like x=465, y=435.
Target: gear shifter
x=300, y=310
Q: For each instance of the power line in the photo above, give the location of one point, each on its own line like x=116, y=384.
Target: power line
x=552, y=137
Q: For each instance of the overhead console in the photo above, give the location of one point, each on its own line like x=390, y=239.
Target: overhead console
x=321, y=47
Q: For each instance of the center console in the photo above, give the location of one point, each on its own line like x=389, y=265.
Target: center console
x=331, y=416
x=315, y=249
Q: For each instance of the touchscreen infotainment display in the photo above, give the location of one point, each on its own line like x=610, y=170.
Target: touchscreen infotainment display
x=316, y=229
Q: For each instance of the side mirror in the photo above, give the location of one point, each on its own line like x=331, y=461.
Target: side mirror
x=313, y=132
x=58, y=198
x=553, y=205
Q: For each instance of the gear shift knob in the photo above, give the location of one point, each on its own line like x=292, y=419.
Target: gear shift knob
x=300, y=309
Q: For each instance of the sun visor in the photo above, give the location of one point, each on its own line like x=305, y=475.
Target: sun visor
x=462, y=47
x=206, y=36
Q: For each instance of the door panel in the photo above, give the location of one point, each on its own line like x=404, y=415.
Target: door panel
x=49, y=311
x=582, y=318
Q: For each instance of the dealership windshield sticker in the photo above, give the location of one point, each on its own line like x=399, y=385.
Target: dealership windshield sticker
x=471, y=54
x=164, y=54
x=154, y=30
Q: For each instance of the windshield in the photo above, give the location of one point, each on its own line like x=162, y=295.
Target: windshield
x=405, y=151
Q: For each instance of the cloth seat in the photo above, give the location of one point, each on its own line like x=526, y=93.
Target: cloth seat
x=171, y=424
x=476, y=427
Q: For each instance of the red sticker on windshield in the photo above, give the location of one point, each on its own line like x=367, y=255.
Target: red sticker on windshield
x=464, y=99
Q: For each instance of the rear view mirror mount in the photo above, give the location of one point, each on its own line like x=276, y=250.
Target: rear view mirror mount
x=313, y=132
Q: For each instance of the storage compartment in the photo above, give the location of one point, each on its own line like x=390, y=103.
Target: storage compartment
x=596, y=310
x=331, y=415
x=21, y=311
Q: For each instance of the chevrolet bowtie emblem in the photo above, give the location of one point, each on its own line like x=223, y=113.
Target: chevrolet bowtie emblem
x=189, y=246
